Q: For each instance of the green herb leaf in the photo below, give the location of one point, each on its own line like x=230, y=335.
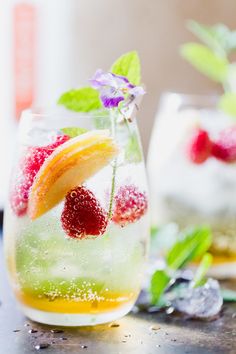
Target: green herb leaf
x=133, y=152
x=204, y=60
x=228, y=295
x=219, y=37
x=215, y=37
x=85, y=99
x=202, y=270
x=128, y=65
x=228, y=103
x=72, y=132
x=231, y=41
x=191, y=246
x=159, y=283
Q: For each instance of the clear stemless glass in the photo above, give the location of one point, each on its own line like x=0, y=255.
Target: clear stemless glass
x=185, y=194
x=62, y=276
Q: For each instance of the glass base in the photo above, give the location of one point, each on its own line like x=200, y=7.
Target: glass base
x=74, y=320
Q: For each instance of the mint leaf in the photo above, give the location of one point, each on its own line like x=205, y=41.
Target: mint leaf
x=228, y=295
x=227, y=103
x=204, y=60
x=159, y=283
x=128, y=65
x=191, y=246
x=85, y=99
x=214, y=37
x=202, y=269
x=219, y=37
x=133, y=152
x=72, y=132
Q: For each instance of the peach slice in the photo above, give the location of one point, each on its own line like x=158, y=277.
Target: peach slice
x=69, y=166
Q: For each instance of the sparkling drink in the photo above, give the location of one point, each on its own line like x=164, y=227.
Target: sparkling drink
x=76, y=224
x=187, y=191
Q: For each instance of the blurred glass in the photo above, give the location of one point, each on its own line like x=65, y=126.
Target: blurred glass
x=184, y=193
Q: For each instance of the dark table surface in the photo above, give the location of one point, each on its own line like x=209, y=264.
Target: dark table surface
x=136, y=333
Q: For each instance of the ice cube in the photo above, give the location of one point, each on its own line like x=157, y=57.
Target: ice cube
x=202, y=302
x=40, y=137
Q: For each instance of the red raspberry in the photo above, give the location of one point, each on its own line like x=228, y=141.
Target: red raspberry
x=225, y=147
x=200, y=147
x=130, y=205
x=29, y=167
x=83, y=215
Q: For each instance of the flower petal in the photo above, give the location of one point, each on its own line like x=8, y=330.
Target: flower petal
x=137, y=91
x=114, y=88
x=111, y=102
x=111, y=97
x=101, y=79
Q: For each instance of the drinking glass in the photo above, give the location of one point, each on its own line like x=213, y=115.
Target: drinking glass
x=61, y=276
x=186, y=194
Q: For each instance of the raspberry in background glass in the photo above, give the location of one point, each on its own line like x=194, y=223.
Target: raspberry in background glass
x=192, y=173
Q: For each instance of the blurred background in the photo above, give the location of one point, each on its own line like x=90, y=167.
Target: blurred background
x=49, y=46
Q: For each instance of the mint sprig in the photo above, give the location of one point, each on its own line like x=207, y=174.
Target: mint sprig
x=85, y=99
x=212, y=58
x=128, y=65
x=218, y=37
x=72, y=132
x=206, y=61
x=190, y=246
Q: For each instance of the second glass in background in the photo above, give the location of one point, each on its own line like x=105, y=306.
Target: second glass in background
x=185, y=194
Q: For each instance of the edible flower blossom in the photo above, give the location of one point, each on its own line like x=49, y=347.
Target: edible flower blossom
x=114, y=88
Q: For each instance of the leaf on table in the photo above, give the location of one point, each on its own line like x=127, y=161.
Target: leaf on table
x=159, y=282
x=228, y=295
x=192, y=244
x=199, y=277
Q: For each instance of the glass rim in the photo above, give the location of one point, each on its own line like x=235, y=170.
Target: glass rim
x=58, y=112
x=179, y=99
x=190, y=96
x=52, y=119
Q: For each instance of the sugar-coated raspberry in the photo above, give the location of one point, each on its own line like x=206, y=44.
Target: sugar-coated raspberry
x=83, y=215
x=224, y=148
x=29, y=167
x=200, y=147
x=130, y=205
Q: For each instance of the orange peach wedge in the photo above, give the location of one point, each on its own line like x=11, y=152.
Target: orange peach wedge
x=69, y=166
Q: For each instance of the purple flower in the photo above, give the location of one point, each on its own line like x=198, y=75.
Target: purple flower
x=114, y=88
